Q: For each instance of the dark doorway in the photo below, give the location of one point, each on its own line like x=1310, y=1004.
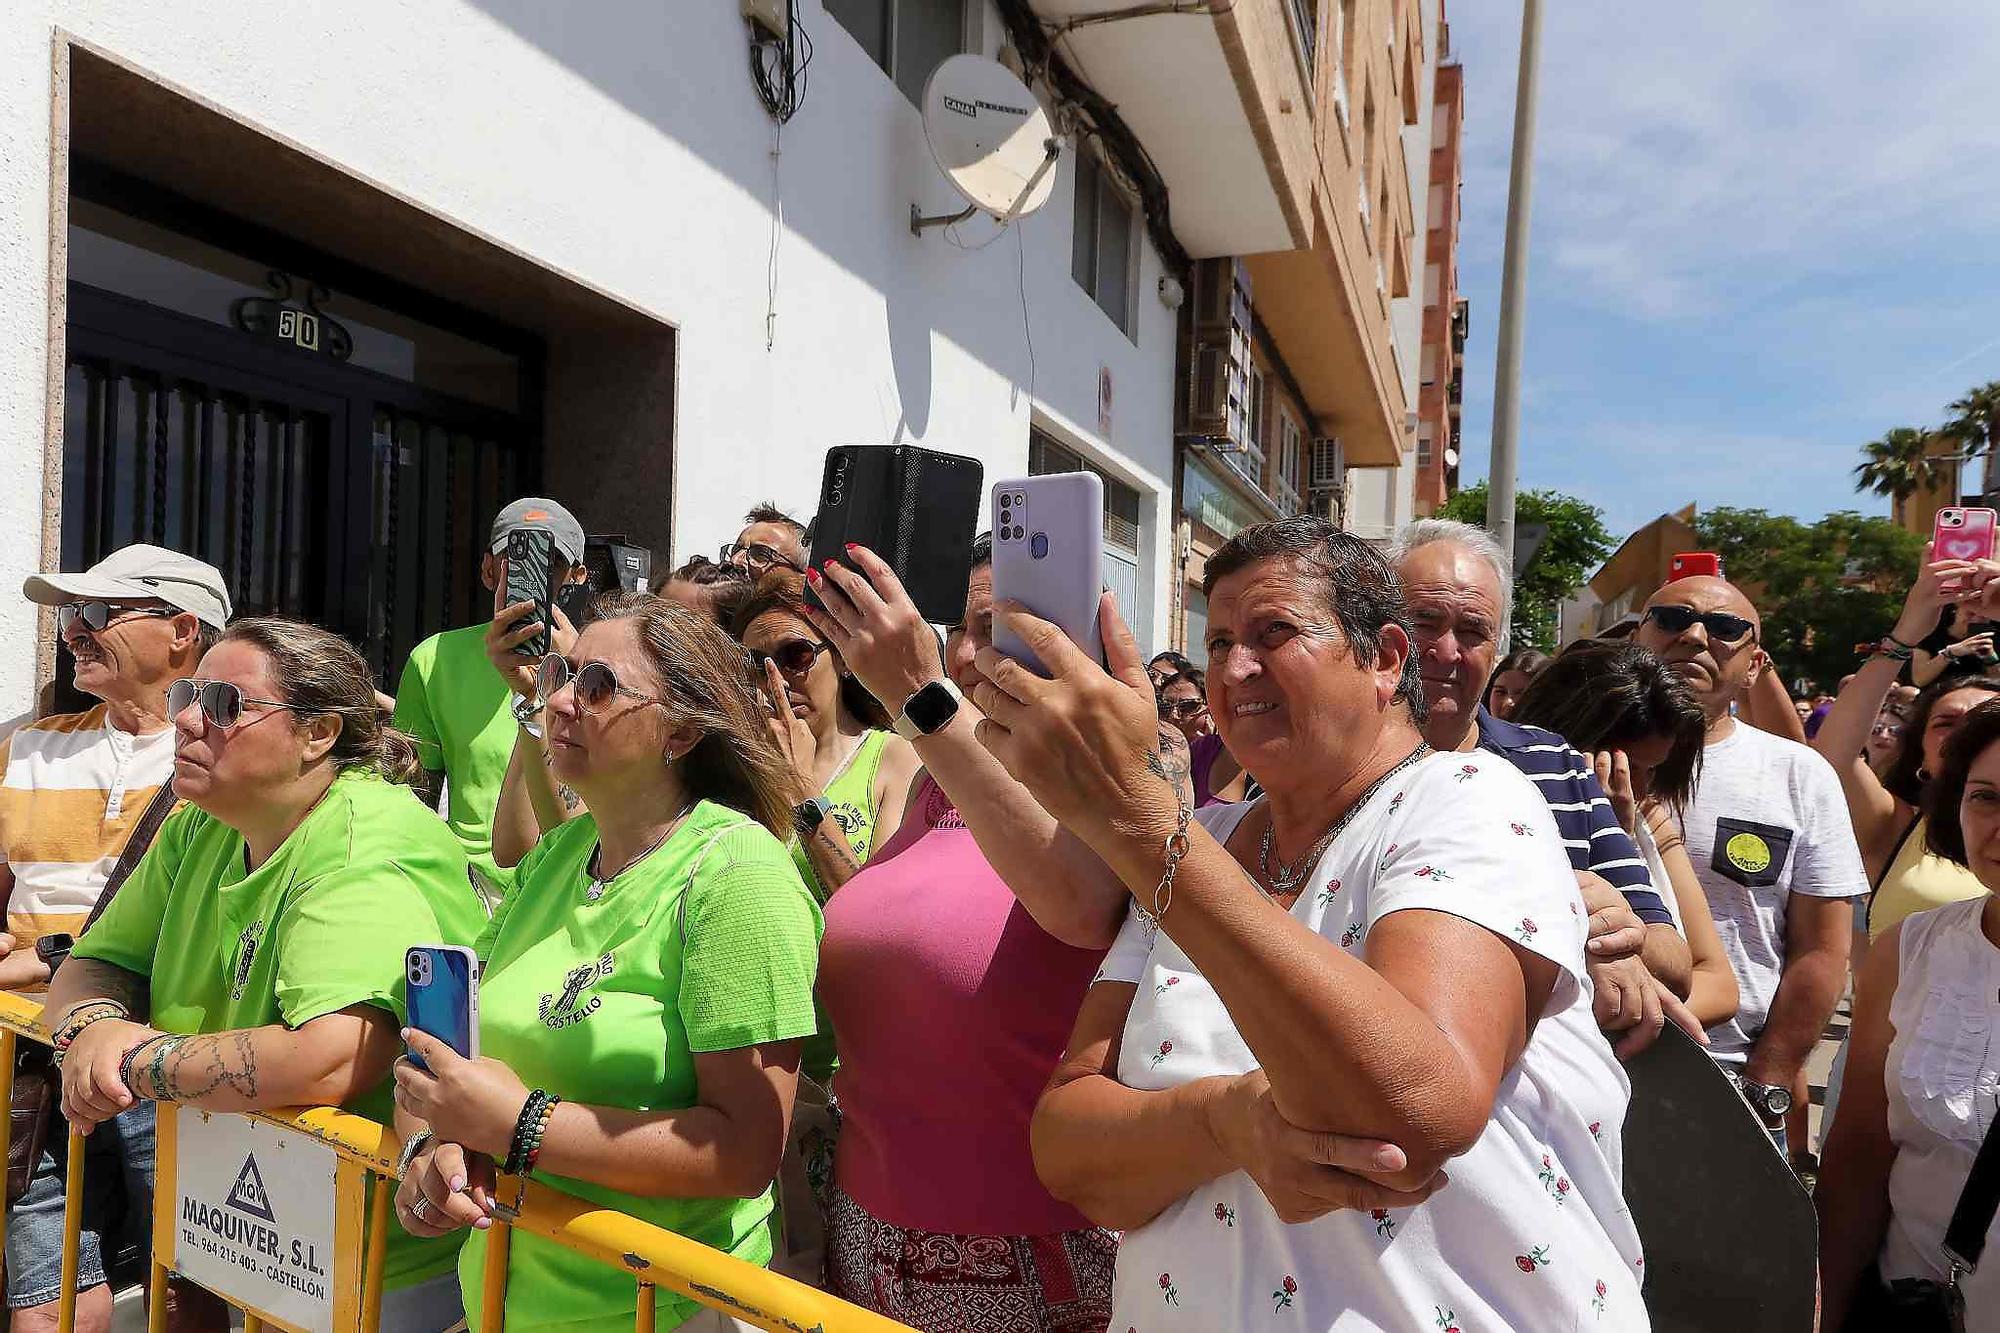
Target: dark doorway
x=323, y=489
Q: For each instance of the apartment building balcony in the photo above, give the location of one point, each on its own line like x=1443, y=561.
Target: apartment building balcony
x=1223, y=102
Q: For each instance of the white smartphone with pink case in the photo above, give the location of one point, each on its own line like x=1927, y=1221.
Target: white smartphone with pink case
x=1048, y=555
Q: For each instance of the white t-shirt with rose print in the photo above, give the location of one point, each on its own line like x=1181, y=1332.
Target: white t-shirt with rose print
x=1532, y=1231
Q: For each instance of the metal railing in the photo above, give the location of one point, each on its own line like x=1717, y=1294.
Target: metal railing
x=656, y=1259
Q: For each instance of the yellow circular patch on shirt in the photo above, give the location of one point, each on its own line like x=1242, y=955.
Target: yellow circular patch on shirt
x=1748, y=853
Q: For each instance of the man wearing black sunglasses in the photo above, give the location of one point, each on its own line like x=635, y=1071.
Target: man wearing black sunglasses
x=79, y=793
x=1768, y=831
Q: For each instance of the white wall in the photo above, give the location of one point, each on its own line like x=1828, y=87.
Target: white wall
x=630, y=151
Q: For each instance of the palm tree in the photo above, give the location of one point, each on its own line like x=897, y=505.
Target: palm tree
x=1900, y=464
x=1975, y=423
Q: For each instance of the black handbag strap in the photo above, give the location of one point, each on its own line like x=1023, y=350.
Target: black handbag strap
x=1965, y=1238
x=143, y=832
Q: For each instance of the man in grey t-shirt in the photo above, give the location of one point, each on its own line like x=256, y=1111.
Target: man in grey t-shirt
x=1768, y=832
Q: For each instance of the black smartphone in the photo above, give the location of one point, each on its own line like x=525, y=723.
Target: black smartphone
x=53, y=948
x=531, y=559
x=916, y=508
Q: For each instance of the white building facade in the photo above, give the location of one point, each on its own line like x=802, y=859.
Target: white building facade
x=308, y=289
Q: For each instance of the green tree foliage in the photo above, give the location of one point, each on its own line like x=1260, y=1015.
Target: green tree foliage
x=1822, y=588
x=1576, y=545
x=1975, y=418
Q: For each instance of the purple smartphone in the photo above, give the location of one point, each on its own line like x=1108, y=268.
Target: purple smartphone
x=1048, y=555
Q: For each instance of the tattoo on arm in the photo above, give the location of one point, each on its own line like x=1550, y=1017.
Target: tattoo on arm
x=1172, y=764
x=571, y=801
x=837, y=848
x=204, y=1065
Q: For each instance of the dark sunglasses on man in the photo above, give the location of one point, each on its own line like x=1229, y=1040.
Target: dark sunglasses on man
x=794, y=657
x=756, y=556
x=1720, y=625
x=596, y=684
x=99, y=616
x=1181, y=710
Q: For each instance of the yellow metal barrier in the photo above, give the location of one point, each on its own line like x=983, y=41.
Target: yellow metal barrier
x=366, y=1154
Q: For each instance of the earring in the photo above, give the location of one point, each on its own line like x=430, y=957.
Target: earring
x=1923, y=774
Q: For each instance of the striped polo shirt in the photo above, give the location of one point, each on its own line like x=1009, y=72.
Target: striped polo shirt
x=74, y=787
x=1590, y=830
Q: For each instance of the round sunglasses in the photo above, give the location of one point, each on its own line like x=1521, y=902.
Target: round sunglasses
x=97, y=616
x=222, y=703
x=595, y=684
x=794, y=657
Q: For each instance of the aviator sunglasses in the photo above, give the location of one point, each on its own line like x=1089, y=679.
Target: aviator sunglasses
x=1181, y=710
x=595, y=684
x=96, y=616
x=222, y=703
x=1721, y=626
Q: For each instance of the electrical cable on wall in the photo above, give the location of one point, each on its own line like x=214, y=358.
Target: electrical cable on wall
x=778, y=66
x=1021, y=282
x=777, y=235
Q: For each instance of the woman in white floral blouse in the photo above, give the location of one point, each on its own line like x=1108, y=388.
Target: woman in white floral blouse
x=1378, y=965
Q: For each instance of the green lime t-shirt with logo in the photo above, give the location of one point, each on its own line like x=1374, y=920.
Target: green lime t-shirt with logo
x=604, y=994
x=454, y=705
x=319, y=927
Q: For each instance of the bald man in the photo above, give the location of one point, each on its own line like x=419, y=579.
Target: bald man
x=1768, y=832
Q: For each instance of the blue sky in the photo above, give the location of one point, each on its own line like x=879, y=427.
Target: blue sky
x=1762, y=234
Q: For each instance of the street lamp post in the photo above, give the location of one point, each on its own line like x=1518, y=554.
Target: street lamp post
x=1514, y=289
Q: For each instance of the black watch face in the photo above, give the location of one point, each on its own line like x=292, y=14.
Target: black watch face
x=931, y=707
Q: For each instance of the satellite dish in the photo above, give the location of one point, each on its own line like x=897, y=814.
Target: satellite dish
x=990, y=138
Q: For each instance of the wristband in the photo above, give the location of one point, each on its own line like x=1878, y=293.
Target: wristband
x=131, y=1057
x=1894, y=649
x=414, y=1145
x=540, y=1133
x=156, y=1068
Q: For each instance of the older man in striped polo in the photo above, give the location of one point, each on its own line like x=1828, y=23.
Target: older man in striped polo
x=74, y=789
x=1458, y=585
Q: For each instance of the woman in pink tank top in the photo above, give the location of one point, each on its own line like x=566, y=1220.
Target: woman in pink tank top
x=953, y=996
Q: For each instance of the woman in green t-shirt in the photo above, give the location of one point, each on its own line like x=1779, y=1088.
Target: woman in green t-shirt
x=832, y=730
x=645, y=985
x=287, y=889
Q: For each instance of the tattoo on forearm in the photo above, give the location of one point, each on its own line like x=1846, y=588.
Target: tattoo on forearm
x=837, y=848
x=206, y=1065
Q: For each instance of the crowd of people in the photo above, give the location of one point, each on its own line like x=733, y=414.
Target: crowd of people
x=1288, y=981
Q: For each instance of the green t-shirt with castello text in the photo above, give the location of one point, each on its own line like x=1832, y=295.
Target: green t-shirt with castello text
x=709, y=943
x=454, y=705
x=319, y=927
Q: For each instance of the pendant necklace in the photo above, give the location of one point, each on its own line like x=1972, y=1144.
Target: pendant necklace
x=598, y=881
x=1288, y=878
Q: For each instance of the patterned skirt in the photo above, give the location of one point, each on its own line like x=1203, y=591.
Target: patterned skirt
x=942, y=1283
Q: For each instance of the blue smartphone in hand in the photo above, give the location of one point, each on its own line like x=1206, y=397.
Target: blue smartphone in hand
x=442, y=996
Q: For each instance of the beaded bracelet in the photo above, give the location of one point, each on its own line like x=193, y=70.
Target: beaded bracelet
x=81, y=1017
x=540, y=1133
x=517, y=1152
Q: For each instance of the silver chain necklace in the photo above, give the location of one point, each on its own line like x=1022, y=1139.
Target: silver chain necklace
x=595, y=889
x=1287, y=878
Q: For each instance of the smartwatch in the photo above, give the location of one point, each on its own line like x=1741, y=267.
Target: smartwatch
x=926, y=712
x=1769, y=1101
x=809, y=815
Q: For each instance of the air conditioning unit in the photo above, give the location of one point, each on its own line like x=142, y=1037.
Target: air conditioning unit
x=1327, y=468
x=1327, y=503
x=1219, y=355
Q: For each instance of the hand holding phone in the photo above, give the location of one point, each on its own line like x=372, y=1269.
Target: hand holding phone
x=1048, y=555
x=1962, y=534
x=531, y=567
x=442, y=996
x=914, y=508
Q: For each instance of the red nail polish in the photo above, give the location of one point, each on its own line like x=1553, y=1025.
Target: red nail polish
x=854, y=546
x=813, y=577
x=831, y=563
